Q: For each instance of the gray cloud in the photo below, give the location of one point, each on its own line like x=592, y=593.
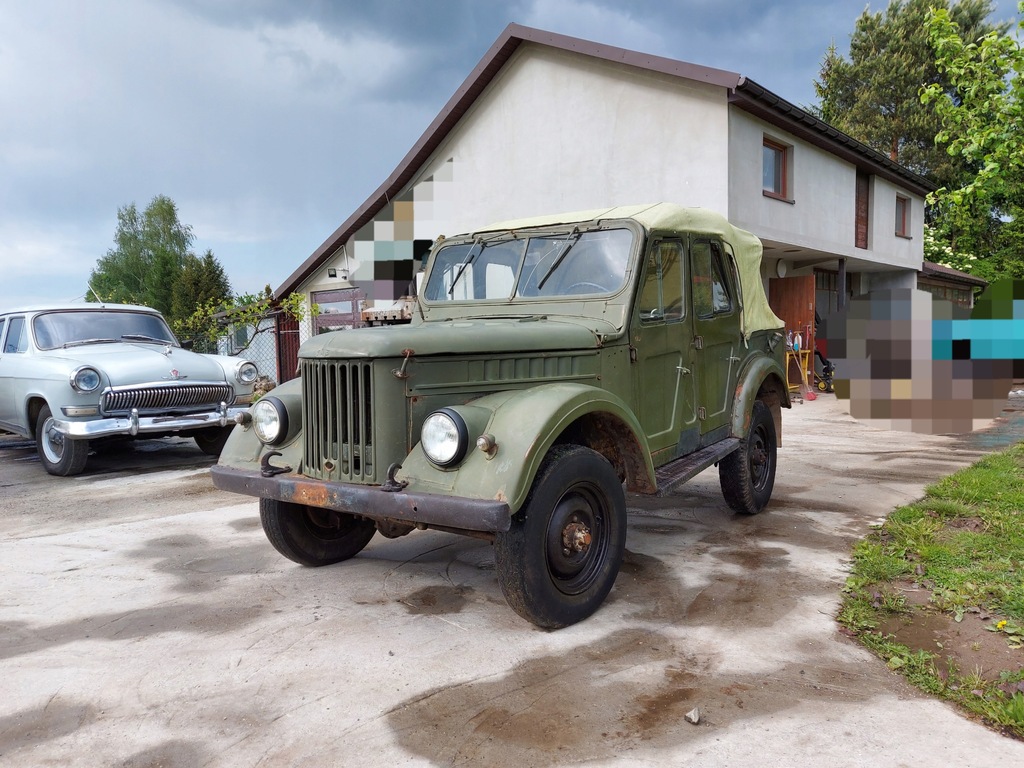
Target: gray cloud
x=270, y=121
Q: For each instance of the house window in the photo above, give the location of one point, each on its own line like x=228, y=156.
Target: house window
x=339, y=310
x=775, y=169
x=863, y=209
x=902, y=216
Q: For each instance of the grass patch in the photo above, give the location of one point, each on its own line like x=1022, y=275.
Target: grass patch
x=962, y=546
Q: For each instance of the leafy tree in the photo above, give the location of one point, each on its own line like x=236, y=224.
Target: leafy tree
x=147, y=258
x=873, y=95
x=213, y=318
x=983, y=124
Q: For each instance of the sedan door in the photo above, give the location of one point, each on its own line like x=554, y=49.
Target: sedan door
x=13, y=344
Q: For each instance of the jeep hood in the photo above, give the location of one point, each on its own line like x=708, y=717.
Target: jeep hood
x=457, y=337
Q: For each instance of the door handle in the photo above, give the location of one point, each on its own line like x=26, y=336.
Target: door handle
x=684, y=371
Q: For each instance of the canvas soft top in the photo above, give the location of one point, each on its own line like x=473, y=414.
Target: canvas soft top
x=661, y=217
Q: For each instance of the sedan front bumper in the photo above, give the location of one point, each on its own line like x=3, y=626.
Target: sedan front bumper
x=134, y=424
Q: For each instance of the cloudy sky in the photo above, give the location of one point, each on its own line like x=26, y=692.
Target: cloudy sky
x=269, y=121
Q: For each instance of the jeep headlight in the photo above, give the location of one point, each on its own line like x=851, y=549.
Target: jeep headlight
x=270, y=420
x=85, y=379
x=444, y=437
x=246, y=373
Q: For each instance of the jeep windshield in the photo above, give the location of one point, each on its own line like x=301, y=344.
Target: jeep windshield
x=69, y=329
x=510, y=266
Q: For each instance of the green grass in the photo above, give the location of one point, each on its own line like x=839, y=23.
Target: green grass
x=964, y=541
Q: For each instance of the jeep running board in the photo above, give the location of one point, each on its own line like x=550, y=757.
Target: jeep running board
x=682, y=469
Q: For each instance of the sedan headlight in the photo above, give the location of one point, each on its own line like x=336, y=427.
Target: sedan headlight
x=444, y=437
x=246, y=373
x=85, y=379
x=270, y=420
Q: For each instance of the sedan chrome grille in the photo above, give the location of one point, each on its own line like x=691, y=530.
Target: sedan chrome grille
x=337, y=401
x=161, y=398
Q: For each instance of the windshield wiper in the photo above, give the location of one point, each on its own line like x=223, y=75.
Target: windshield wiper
x=473, y=253
x=141, y=337
x=80, y=342
x=565, y=248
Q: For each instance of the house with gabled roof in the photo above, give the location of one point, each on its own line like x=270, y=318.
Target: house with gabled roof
x=547, y=123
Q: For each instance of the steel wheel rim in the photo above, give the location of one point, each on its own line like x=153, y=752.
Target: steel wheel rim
x=574, y=566
x=760, y=457
x=52, y=442
x=326, y=524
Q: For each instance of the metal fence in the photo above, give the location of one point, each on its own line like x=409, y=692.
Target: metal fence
x=257, y=346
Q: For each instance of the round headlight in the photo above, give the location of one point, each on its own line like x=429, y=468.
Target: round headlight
x=444, y=437
x=85, y=379
x=246, y=373
x=270, y=420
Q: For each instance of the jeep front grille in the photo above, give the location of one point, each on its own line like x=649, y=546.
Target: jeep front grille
x=337, y=402
x=159, y=398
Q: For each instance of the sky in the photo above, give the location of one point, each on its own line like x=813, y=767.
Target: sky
x=269, y=122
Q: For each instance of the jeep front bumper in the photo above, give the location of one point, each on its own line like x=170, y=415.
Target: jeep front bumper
x=370, y=501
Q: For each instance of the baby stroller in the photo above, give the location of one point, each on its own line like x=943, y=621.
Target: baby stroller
x=823, y=380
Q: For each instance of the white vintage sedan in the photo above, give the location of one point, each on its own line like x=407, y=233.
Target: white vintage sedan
x=74, y=374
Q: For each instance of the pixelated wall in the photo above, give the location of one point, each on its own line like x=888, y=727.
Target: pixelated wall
x=387, y=250
x=907, y=360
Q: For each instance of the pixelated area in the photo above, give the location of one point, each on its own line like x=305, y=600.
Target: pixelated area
x=386, y=249
x=907, y=360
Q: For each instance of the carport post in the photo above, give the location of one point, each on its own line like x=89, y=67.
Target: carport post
x=841, y=286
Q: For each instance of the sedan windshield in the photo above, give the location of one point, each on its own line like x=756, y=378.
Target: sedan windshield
x=64, y=329
x=548, y=266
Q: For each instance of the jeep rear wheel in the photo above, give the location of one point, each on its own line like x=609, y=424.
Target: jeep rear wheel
x=747, y=475
x=311, y=535
x=58, y=453
x=558, y=561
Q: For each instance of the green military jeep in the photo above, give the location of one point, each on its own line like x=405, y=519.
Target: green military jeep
x=551, y=364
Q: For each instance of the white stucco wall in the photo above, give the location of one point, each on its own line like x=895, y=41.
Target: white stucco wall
x=560, y=132
x=822, y=213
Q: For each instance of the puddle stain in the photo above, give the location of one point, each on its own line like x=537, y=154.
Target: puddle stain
x=436, y=600
x=175, y=753
x=625, y=692
x=243, y=524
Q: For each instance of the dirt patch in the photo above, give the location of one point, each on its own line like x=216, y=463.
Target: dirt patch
x=968, y=645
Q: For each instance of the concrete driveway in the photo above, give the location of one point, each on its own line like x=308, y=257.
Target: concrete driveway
x=146, y=621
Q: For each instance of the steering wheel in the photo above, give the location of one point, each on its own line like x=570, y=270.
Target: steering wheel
x=586, y=284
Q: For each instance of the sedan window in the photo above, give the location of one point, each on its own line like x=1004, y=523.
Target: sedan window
x=63, y=329
x=16, y=338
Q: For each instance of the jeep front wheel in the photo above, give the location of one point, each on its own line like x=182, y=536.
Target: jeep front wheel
x=311, y=535
x=558, y=561
x=747, y=475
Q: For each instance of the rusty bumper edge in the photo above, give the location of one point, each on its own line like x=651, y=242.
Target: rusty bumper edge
x=369, y=500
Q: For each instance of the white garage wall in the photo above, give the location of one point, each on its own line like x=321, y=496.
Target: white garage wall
x=559, y=132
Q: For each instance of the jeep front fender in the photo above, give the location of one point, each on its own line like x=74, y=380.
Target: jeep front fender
x=525, y=424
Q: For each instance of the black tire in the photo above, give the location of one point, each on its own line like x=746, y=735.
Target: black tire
x=313, y=536
x=59, y=454
x=546, y=579
x=211, y=441
x=748, y=474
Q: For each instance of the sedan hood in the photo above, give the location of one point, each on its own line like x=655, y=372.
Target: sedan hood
x=127, y=363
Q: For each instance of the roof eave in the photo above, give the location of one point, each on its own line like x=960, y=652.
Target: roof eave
x=762, y=103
